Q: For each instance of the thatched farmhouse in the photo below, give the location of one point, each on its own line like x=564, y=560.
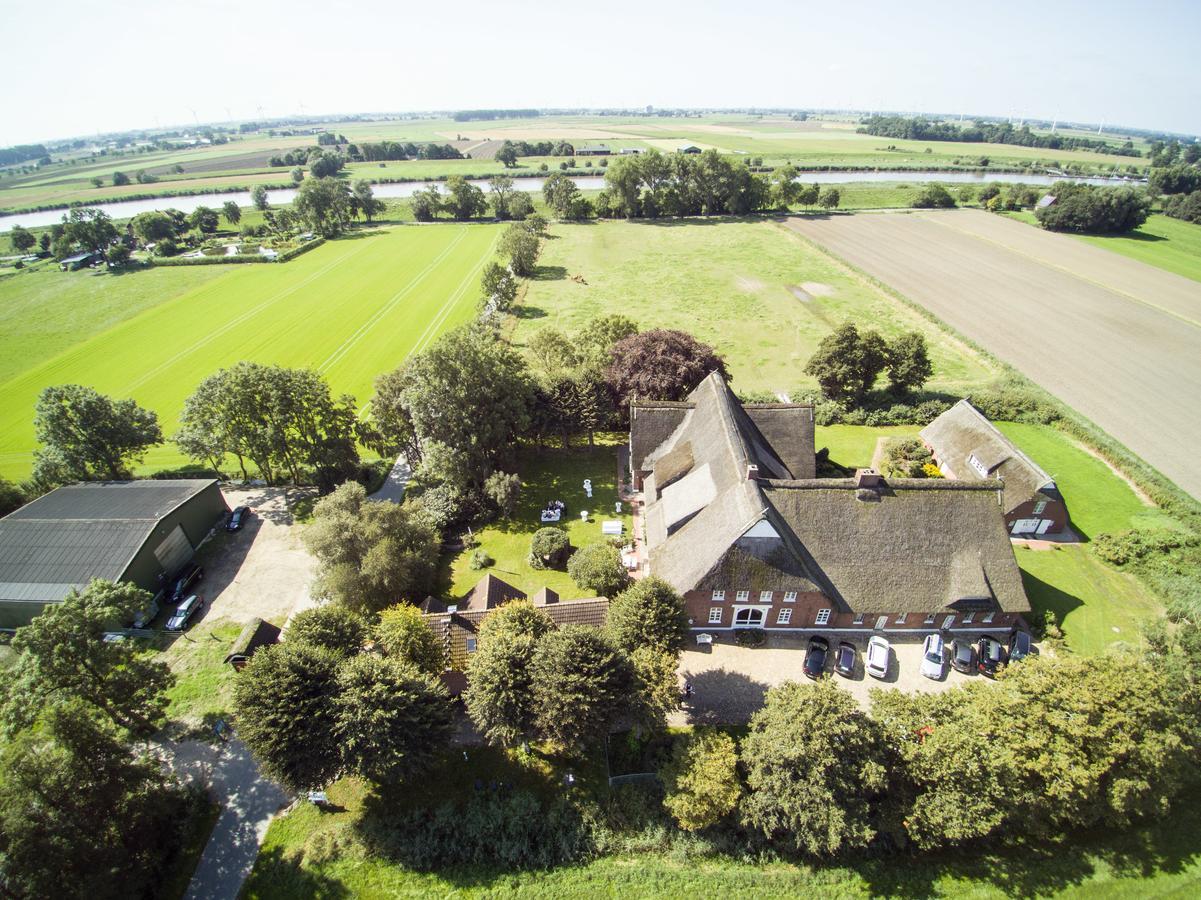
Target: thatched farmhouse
x=736, y=521
x=966, y=445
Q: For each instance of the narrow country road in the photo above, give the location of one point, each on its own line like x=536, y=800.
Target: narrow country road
x=248, y=802
x=393, y=489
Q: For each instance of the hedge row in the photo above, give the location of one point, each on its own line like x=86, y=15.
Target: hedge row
x=303, y=248
x=239, y=258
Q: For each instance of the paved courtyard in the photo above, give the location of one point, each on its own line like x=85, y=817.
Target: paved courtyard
x=729, y=681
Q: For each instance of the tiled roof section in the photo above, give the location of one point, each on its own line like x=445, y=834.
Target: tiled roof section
x=454, y=630
x=963, y=432
x=489, y=593
x=111, y=501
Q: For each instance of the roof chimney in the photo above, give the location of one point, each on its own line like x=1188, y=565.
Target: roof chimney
x=868, y=478
x=752, y=472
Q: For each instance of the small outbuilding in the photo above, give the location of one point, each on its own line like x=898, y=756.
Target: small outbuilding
x=689, y=148
x=78, y=261
x=593, y=150
x=137, y=531
x=257, y=633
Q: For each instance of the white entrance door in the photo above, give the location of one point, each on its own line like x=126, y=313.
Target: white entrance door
x=748, y=617
x=1025, y=526
x=881, y=622
x=1043, y=525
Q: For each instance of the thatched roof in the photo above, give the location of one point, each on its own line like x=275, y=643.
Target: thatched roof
x=651, y=423
x=963, y=432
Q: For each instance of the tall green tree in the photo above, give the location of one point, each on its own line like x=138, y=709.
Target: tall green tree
x=581, y=686
x=598, y=568
x=402, y=633
x=701, y=779
x=847, y=363
x=369, y=555
x=507, y=155
x=333, y=626
x=204, y=220
x=521, y=244
x=427, y=204
x=392, y=431
x=323, y=204
x=786, y=190
x=364, y=199
x=153, y=226
x=391, y=721
x=92, y=229
x=284, y=701
x=21, y=239
x=909, y=366
x=660, y=364
x=11, y=497
x=498, y=287
x=258, y=196
x=500, y=189
x=560, y=194
x=500, y=691
x=464, y=200
x=232, y=212
x=62, y=654
x=815, y=765
x=649, y=613
x=86, y=435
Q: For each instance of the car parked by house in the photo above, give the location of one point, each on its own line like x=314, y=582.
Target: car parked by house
x=991, y=656
x=815, y=656
x=963, y=656
x=933, y=659
x=876, y=661
x=187, y=577
x=184, y=613
x=1020, y=645
x=844, y=659
x=238, y=518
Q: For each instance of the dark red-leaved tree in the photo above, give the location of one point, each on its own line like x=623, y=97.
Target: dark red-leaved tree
x=661, y=364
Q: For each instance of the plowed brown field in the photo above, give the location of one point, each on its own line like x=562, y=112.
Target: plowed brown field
x=1115, y=339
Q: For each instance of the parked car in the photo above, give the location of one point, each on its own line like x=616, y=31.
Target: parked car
x=188, y=576
x=815, y=656
x=1020, y=645
x=844, y=659
x=963, y=657
x=991, y=656
x=876, y=662
x=115, y=637
x=933, y=664
x=184, y=612
x=144, y=616
x=237, y=518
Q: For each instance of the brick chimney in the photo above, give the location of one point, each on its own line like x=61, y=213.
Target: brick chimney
x=868, y=483
x=752, y=472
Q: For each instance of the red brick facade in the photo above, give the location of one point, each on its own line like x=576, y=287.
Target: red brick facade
x=1054, y=510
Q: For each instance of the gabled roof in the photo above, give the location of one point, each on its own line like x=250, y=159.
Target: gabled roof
x=489, y=593
x=963, y=432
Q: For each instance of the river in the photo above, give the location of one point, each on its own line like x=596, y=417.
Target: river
x=125, y=209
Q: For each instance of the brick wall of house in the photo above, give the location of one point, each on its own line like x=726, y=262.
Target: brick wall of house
x=1055, y=510
x=804, y=614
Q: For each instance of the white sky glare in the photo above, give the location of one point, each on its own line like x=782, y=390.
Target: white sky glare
x=143, y=63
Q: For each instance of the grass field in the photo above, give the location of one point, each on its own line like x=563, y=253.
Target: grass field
x=548, y=475
x=758, y=294
x=352, y=309
x=1161, y=241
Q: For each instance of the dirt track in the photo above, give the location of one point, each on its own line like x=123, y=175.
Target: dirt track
x=1117, y=340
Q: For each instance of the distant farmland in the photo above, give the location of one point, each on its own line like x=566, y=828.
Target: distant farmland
x=1117, y=340
x=352, y=309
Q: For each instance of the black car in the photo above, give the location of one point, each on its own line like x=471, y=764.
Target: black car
x=815, y=656
x=183, y=613
x=188, y=576
x=237, y=518
x=844, y=659
x=963, y=657
x=1019, y=646
x=991, y=656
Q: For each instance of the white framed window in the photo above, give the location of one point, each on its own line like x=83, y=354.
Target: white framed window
x=967, y=618
x=823, y=616
x=790, y=596
x=742, y=596
x=765, y=596
x=988, y=617
x=930, y=619
x=900, y=620
x=785, y=616
x=1039, y=507
x=980, y=468
x=858, y=619
x=719, y=596
x=471, y=645
x=749, y=617
x=715, y=615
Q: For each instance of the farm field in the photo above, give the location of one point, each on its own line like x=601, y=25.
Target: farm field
x=352, y=309
x=1114, y=338
x=1170, y=244
x=754, y=291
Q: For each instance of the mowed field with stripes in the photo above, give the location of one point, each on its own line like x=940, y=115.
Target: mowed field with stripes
x=352, y=309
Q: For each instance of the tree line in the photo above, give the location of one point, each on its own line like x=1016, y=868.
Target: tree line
x=921, y=129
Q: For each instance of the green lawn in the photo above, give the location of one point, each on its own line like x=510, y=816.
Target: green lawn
x=853, y=446
x=547, y=475
x=203, y=689
x=758, y=293
x=353, y=309
x=1161, y=241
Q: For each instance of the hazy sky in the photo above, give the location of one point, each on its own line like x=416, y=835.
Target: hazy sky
x=76, y=68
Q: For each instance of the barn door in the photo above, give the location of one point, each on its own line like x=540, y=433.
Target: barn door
x=174, y=551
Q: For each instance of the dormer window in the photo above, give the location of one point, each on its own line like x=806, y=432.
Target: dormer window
x=974, y=462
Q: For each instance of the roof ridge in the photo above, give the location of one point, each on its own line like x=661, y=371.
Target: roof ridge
x=917, y=484
x=1000, y=435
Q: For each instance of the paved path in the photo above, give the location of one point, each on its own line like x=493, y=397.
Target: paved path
x=393, y=488
x=248, y=802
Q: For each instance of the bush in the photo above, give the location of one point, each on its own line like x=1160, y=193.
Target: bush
x=1100, y=210
x=1010, y=402
x=906, y=458
x=750, y=637
x=549, y=548
x=1126, y=546
x=935, y=196
x=480, y=560
x=598, y=568
x=449, y=507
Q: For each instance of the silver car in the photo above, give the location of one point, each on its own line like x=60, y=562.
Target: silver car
x=876, y=660
x=933, y=664
x=183, y=613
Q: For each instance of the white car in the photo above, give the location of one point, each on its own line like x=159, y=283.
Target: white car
x=932, y=657
x=876, y=661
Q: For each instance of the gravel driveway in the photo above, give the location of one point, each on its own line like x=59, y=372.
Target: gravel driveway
x=729, y=681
